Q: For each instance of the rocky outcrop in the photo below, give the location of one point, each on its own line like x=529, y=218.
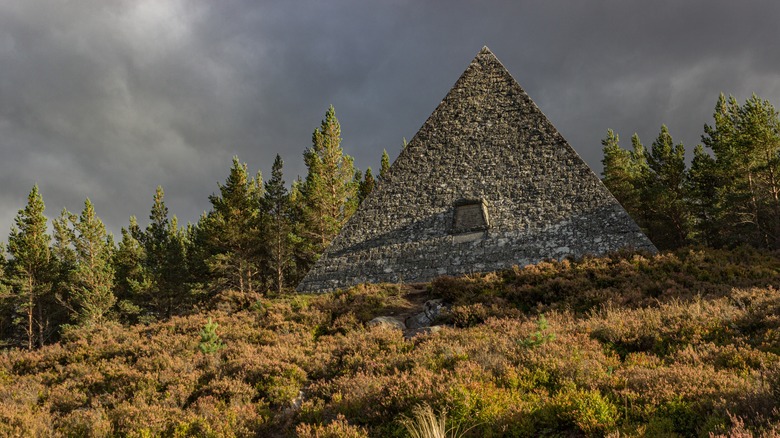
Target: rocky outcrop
x=387, y=322
x=432, y=311
x=423, y=322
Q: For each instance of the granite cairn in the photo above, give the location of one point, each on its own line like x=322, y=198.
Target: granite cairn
x=486, y=183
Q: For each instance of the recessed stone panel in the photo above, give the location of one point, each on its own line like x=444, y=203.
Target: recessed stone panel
x=469, y=216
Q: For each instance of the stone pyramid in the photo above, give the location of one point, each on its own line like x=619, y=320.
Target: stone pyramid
x=487, y=183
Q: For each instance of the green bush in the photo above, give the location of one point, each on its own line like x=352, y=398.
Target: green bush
x=210, y=342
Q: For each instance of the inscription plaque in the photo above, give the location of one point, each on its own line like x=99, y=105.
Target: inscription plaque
x=470, y=215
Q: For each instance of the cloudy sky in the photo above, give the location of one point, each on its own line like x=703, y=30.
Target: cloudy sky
x=108, y=99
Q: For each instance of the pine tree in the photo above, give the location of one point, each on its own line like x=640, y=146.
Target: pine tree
x=175, y=274
x=641, y=172
x=3, y=264
x=304, y=251
x=702, y=185
x=210, y=341
x=279, y=239
x=6, y=307
x=745, y=142
x=233, y=233
x=760, y=139
x=670, y=224
x=156, y=236
x=618, y=172
x=366, y=185
x=62, y=247
x=329, y=192
x=164, y=262
x=385, y=165
x=63, y=257
x=93, y=277
x=625, y=175
x=31, y=273
x=131, y=282
x=156, y=239
x=197, y=254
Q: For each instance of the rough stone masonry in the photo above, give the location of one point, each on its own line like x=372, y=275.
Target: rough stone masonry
x=487, y=183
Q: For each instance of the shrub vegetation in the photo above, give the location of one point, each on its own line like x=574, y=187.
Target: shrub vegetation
x=679, y=344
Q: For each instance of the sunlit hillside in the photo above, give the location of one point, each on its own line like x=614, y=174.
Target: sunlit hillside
x=683, y=343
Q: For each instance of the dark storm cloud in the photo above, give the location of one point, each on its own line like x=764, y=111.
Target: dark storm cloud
x=109, y=99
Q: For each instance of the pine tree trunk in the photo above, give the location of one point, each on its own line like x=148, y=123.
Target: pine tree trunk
x=30, y=301
x=41, y=325
x=249, y=276
x=776, y=202
x=279, y=270
x=755, y=208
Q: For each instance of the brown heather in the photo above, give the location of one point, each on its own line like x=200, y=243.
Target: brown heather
x=678, y=344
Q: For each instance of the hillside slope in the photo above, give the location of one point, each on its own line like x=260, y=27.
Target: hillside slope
x=684, y=343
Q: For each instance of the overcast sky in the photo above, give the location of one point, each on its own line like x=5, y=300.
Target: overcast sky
x=108, y=99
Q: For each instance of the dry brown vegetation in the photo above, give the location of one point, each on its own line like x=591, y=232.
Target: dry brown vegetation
x=683, y=343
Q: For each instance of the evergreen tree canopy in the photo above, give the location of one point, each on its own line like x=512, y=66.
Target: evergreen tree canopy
x=63, y=258
x=702, y=187
x=650, y=186
x=131, y=281
x=62, y=248
x=165, y=269
x=625, y=175
x=3, y=279
x=366, y=185
x=6, y=305
x=329, y=191
x=233, y=232
x=730, y=195
x=93, y=276
x=385, y=166
x=669, y=224
x=619, y=176
x=279, y=227
x=31, y=269
x=743, y=179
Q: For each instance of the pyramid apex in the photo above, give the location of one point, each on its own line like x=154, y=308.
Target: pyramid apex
x=485, y=54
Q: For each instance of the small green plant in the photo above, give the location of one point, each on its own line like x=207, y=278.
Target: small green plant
x=210, y=342
x=540, y=336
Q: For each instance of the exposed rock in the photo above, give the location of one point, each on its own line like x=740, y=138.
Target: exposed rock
x=432, y=310
x=387, y=322
x=297, y=402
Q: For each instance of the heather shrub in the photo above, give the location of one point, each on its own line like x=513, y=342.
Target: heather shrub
x=573, y=410
x=338, y=428
x=85, y=423
x=364, y=301
x=624, y=279
x=469, y=315
x=682, y=343
x=477, y=404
